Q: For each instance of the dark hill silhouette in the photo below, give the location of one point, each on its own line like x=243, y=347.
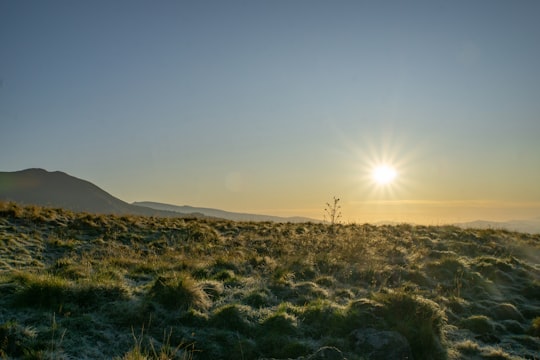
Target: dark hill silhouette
x=58, y=189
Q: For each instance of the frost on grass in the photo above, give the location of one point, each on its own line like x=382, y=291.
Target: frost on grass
x=101, y=286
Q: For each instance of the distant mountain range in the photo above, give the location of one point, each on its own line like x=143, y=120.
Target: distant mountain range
x=58, y=189
x=221, y=213
x=530, y=225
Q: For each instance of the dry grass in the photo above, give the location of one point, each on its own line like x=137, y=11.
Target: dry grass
x=80, y=286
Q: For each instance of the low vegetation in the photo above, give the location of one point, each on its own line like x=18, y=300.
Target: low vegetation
x=87, y=286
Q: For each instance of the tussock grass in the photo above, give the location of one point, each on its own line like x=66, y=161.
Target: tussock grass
x=179, y=291
x=234, y=317
x=535, y=327
x=479, y=324
x=419, y=319
x=76, y=285
x=53, y=292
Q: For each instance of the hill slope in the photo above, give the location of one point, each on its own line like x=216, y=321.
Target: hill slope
x=221, y=213
x=58, y=189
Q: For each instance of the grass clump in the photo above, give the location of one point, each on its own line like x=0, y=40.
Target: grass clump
x=41, y=291
x=535, y=327
x=16, y=340
x=52, y=292
x=180, y=292
x=259, y=298
x=420, y=320
x=323, y=318
x=468, y=347
x=280, y=323
x=479, y=324
x=233, y=317
x=145, y=349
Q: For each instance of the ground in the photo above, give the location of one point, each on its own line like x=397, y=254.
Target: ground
x=77, y=285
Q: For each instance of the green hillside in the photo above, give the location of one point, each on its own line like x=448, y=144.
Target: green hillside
x=74, y=285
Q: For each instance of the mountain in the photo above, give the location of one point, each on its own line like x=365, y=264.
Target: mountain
x=221, y=213
x=58, y=189
x=529, y=226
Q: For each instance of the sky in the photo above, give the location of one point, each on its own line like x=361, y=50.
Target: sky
x=275, y=107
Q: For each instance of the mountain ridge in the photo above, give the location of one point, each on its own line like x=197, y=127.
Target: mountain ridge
x=223, y=214
x=36, y=186
x=523, y=225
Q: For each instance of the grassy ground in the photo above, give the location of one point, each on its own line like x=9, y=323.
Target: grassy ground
x=106, y=287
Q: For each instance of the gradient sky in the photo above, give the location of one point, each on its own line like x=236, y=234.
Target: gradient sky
x=274, y=107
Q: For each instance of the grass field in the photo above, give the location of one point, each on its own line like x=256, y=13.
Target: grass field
x=78, y=286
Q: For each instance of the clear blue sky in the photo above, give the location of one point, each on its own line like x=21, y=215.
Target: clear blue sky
x=276, y=106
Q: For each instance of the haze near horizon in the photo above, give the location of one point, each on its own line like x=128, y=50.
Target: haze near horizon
x=274, y=107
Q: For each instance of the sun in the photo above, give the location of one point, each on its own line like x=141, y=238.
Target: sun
x=383, y=174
